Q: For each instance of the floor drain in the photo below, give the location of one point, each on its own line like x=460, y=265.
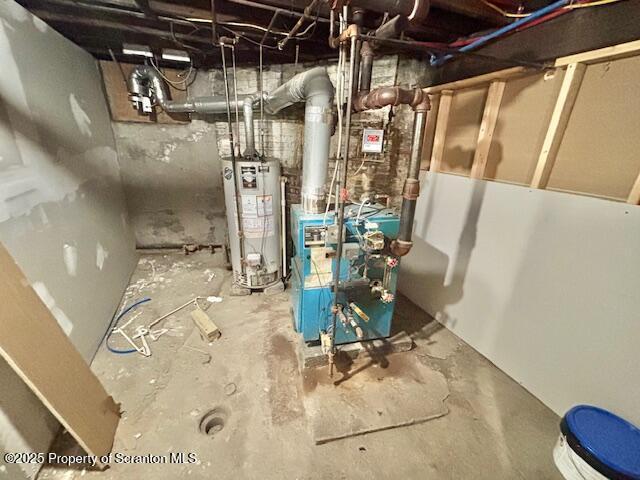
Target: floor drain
x=213, y=421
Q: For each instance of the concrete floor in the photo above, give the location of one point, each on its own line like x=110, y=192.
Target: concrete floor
x=494, y=429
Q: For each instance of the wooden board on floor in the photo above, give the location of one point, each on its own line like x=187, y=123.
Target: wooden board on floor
x=35, y=346
x=394, y=391
x=118, y=97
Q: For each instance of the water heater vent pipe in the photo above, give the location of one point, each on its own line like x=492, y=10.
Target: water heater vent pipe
x=146, y=82
x=315, y=89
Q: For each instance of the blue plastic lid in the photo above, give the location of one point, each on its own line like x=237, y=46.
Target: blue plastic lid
x=609, y=438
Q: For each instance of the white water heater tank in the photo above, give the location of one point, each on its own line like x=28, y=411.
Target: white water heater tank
x=255, y=243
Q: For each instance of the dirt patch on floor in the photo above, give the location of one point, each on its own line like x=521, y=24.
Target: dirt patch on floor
x=283, y=390
x=350, y=373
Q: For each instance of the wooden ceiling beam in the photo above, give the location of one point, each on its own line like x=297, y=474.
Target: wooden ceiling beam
x=110, y=24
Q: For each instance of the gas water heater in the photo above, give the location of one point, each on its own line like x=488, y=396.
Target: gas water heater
x=253, y=185
x=251, y=182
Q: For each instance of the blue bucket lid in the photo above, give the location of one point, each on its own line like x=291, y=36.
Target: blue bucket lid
x=611, y=440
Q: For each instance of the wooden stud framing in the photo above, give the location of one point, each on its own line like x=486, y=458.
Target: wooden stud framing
x=479, y=80
x=430, y=131
x=487, y=127
x=601, y=55
x=558, y=123
x=634, y=196
x=444, y=109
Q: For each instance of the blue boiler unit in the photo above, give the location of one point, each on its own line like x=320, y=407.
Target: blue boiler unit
x=368, y=273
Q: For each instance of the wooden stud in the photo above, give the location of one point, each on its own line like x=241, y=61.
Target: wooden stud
x=430, y=132
x=558, y=123
x=480, y=79
x=487, y=127
x=634, y=196
x=601, y=55
x=442, y=120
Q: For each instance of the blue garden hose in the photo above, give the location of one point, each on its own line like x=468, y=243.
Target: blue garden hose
x=114, y=324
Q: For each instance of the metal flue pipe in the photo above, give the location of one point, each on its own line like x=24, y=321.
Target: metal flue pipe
x=145, y=81
x=315, y=89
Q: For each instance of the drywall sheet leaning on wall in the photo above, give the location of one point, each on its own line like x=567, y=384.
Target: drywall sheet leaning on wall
x=62, y=210
x=36, y=347
x=544, y=284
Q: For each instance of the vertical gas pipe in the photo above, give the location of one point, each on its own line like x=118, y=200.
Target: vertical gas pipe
x=342, y=187
x=411, y=190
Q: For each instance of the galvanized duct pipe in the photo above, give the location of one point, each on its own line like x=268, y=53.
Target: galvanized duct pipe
x=145, y=81
x=248, y=104
x=314, y=88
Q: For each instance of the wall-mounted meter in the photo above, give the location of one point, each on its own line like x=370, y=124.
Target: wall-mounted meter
x=372, y=140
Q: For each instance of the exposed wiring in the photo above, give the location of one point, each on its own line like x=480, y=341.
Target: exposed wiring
x=177, y=84
x=115, y=60
x=250, y=40
x=591, y=4
x=504, y=13
x=523, y=21
x=366, y=203
x=114, y=324
x=252, y=25
x=364, y=159
x=519, y=23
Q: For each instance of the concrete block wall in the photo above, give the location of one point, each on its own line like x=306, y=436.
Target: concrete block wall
x=172, y=179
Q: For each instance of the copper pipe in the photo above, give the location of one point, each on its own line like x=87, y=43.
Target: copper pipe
x=307, y=14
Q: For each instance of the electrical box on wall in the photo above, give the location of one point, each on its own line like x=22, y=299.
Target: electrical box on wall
x=372, y=140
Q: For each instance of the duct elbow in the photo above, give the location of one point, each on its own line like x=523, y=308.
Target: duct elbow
x=382, y=97
x=400, y=248
x=146, y=87
x=312, y=86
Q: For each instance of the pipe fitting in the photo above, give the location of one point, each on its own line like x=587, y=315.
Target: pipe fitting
x=411, y=190
x=421, y=103
x=367, y=49
x=351, y=31
x=400, y=247
x=394, y=96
